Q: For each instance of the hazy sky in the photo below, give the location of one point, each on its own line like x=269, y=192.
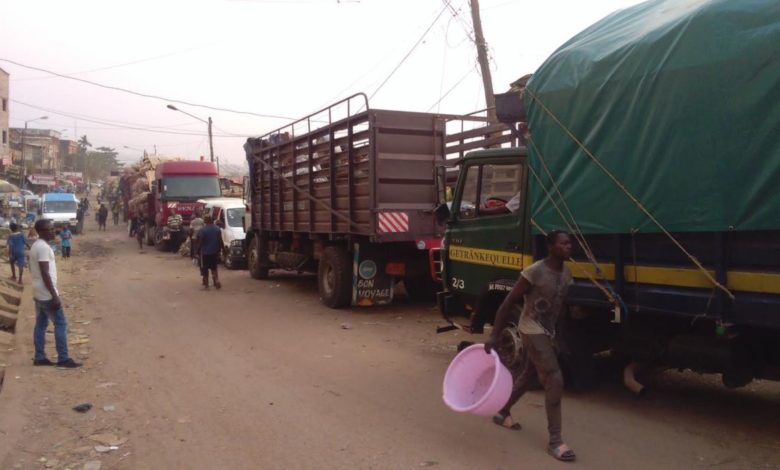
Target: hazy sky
x=274, y=57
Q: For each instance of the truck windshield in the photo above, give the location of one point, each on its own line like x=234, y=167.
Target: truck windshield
x=58, y=207
x=235, y=217
x=190, y=187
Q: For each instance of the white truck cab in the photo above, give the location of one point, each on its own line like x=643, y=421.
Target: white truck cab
x=60, y=208
x=229, y=213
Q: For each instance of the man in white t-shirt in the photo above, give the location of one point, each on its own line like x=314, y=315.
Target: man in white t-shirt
x=48, y=306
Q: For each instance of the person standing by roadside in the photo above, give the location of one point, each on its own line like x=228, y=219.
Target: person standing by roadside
x=102, y=217
x=541, y=289
x=196, y=224
x=209, y=247
x=48, y=306
x=16, y=246
x=66, y=235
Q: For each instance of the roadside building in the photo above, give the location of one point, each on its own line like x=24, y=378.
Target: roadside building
x=41, y=150
x=5, y=134
x=69, y=150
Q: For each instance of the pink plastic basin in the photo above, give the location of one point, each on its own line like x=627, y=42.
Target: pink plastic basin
x=477, y=382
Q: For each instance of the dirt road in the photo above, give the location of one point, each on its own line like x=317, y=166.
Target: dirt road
x=259, y=375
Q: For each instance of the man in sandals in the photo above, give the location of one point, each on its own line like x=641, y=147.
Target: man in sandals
x=542, y=289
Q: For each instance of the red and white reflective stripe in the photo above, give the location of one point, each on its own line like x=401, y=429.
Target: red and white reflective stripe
x=393, y=222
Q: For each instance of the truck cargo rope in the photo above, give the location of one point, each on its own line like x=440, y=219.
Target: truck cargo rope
x=628, y=193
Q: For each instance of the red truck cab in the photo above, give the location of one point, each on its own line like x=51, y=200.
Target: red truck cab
x=178, y=186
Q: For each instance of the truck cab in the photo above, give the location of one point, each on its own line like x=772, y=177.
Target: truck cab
x=60, y=208
x=228, y=213
x=177, y=187
x=487, y=241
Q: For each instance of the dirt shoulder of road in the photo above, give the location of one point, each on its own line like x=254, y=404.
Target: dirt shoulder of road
x=39, y=428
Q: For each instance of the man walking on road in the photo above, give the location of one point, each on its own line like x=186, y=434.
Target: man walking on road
x=209, y=247
x=102, y=217
x=48, y=306
x=542, y=288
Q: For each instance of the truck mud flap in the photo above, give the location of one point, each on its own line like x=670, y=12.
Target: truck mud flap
x=371, y=286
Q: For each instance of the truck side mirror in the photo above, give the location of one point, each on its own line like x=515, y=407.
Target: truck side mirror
x=441, y=184
x=442, y=213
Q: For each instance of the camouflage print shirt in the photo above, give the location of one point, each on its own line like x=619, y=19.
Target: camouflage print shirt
x=544, y=302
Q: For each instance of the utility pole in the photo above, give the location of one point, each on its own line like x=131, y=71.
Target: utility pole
x=484, y=65
x=211, y=144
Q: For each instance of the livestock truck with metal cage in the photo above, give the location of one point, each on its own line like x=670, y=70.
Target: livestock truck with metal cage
x=349, y=192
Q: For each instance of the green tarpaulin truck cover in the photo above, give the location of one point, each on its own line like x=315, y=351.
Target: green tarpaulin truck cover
x=680, y=101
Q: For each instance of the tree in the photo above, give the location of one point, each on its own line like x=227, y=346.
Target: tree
x=100, y=162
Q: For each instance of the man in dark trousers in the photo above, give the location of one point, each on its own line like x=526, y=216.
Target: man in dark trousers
x=102, y=217
x=209, y=247
x=542, y=290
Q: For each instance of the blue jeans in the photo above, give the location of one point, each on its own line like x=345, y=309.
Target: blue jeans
x=43, y=313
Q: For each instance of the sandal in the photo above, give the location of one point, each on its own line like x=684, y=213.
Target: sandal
x=562, y=453
x=500, y=419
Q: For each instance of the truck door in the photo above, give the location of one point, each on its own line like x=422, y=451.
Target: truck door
x=486, y=237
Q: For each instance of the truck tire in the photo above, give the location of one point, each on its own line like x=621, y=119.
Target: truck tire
x=334, y=277
x=420, y=289
x=256, y=270
x=230, y=263
x=159, y=243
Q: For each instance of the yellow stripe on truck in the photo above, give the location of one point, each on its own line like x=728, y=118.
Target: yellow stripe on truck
x=482, y=257
x=743, y=281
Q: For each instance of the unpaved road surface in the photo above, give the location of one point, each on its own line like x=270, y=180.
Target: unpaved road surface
x=259, y=375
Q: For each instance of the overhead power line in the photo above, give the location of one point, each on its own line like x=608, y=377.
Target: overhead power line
x=145, y=95
x=451, y=89
x=435, y=20
x=120, y=126
x=111, y=67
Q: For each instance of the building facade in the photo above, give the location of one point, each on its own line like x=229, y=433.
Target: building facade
x=39, y=148
x=5, y=132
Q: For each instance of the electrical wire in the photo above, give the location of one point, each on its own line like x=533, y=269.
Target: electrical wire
x=435, y=20
x=145, y=95
x=110, y=67
x=119, y=126
x=451, y=89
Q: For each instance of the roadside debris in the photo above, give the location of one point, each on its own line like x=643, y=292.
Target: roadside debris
x=346, y=325
x=93, y=465
x=83, y=408
x=109, y=440
x=109, y=408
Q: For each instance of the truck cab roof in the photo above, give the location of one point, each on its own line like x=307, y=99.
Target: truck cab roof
x=491, y=153
x=186, y=167
x=47, y=197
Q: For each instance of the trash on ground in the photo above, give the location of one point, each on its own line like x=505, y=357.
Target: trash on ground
x=93, y=465
x=83, y=408
x=108, y=439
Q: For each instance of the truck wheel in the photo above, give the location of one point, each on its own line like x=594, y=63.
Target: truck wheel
x=256, y=270
x=228, y=260
x=420, y=289
x=159, y=243
x=334, y=277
